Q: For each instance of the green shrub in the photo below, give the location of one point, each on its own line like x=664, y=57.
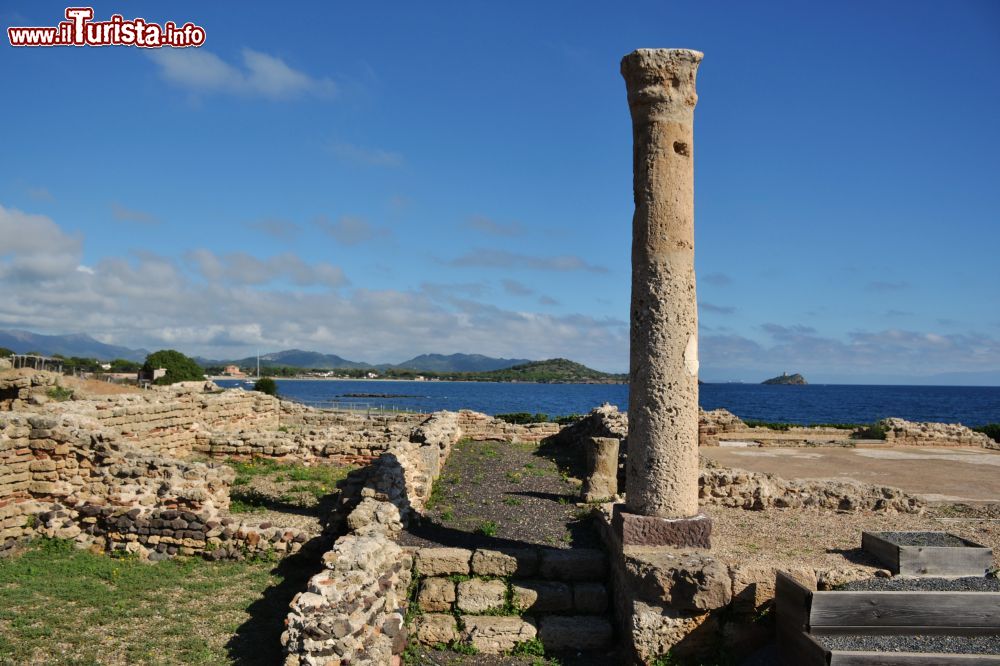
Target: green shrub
x=487, y=528
x=179, y=367
x=523, y=418
x=568, y=419
x=991, y=430
x=873, y=431
x=266, y=385
x=59, y=393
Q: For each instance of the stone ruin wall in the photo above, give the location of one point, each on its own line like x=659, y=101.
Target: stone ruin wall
x=353, y=611
x=481, y=427
x=900, y=432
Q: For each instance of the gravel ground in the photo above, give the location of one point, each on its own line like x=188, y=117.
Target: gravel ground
x=498, y=494
x=934, y=539
x=925, y=643
x=809, y=537
x=425, y=656
x=897, y=584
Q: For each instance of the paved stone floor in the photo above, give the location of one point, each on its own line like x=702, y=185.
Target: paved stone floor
x=938, y=474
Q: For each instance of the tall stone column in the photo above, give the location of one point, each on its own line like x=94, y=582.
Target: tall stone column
x=662, y=472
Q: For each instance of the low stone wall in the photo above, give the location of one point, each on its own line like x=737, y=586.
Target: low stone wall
x=908, y=433
x=483, y=427
x=740, y=488
x=353, y=610
x=493, y=600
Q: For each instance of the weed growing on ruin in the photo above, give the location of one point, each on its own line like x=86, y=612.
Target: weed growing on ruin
x=530, y=648
x=513, y=501
x=59, y=393
x=487, y=528
x=513, y=477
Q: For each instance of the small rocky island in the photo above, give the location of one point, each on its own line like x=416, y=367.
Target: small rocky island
x=785, y=378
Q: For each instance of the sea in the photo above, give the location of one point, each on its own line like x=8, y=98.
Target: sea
x=810, y=404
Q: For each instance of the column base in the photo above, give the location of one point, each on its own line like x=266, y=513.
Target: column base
x=637, y=530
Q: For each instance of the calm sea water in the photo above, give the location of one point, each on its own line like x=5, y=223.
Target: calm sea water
x=814, y=403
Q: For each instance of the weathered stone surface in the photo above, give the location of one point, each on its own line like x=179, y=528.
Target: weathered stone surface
x=539, y=596
x=590, y=598
x=436, y=594
x=496, y=634
x=574, y=564
x=656, y=631
x=662, y=476
x=637, y=530
x=515, y=562
x=900, y=432
x=478, y=596
x=732, y=487
x=577, y=632
x=434, y=628
x=682, y=580
x=443, y=561
x=602, y=469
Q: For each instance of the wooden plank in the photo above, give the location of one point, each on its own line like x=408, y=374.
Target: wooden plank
x=845, y=658
x=884, y=551
x=792, y=600
x=940, y=561
x=905, y=609
x=910, y=630
x=798, y=648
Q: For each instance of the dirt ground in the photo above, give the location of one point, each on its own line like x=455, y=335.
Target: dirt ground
x=938, y=474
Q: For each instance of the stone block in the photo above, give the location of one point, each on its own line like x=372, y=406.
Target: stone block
x=574, y=564
x=436, y=594
x=579, y=632
x=521, y=562
x=590, y=598
x=657, y=631
x=540, y=596
x=638, y=530
x=478, y=596
x=433, y=628
x=443, y=561
x=495, y=635
x=684, y=580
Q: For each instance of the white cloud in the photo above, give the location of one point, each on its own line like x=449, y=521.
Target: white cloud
x=123, y=214
x=366, y=156
x=350, y=229
x=242, y=269
x=491, y=227
x=494, y=258
x=261, y=74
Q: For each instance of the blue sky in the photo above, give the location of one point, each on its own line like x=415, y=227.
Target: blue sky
x=456, y=177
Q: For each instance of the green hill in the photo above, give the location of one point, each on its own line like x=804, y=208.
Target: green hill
x=552, y=371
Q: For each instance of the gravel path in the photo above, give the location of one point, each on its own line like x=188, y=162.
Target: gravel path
x=499, y=494
x=897, y=584
x=943, y=644
x=425, y=656
x=935, y=539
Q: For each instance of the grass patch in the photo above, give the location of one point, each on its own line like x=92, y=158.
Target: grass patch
x=487, y=528
x=62, y=605
x=59, y=393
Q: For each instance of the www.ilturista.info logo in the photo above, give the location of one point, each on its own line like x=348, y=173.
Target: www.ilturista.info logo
x=80, y=30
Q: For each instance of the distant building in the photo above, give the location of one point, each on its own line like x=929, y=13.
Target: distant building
x=233, y=371
x=372, y=375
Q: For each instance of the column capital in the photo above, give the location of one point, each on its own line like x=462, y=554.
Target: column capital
x=661, y=75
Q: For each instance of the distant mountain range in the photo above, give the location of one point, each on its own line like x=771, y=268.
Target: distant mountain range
x=77, y=344
x=85, y=346
x=297, y=358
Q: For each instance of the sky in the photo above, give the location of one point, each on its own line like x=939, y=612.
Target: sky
x=403, y=178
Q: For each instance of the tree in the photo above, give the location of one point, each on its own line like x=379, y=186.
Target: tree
x=179, y=367
x=266, y=385
x=124, y=365
x=4, y=352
